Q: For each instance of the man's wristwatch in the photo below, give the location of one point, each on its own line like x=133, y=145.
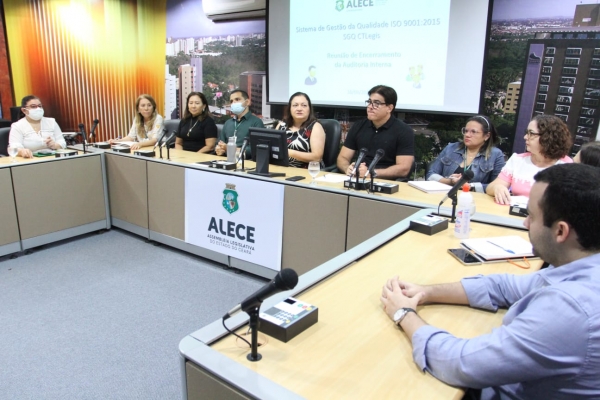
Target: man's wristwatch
x=401, y=313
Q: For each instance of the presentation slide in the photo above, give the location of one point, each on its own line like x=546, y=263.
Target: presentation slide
x=431, y=52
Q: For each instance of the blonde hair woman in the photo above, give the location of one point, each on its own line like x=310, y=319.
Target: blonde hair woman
x=147, y=124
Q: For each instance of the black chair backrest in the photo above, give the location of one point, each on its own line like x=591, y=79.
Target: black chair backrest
x=333, y=137
x=171, y=124
x=4, y=132
x=16, y=114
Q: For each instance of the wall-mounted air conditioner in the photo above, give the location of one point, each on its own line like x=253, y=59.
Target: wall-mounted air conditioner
x=222, y=10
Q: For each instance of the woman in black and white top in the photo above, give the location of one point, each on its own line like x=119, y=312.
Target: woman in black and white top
x=147, y=126
x=305, y=135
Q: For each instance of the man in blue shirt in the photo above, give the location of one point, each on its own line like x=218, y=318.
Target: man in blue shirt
x=240, y=124
x=548, y=346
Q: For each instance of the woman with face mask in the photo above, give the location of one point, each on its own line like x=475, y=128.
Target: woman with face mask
x=34, y=132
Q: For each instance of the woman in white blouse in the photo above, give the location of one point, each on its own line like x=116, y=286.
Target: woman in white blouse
x=34, y=132
x=147, y=124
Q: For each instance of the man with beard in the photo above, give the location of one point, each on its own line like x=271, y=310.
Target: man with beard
x=549, y=343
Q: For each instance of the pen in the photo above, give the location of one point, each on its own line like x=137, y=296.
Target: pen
x=497, y=245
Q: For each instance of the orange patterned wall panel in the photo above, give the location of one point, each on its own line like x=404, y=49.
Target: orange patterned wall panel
x=88, y=59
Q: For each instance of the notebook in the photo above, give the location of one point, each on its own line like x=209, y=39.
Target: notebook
x=499, y=248
x=430, y=186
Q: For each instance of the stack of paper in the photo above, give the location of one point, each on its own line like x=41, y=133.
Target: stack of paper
x=499, y=248
x=430, y=186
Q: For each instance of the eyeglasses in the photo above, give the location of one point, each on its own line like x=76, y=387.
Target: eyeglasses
x=375, y=104
x=33, y=106
x=471, y=132
x=530, y=133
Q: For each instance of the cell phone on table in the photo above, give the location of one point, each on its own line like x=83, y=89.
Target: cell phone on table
x=295, y=178
x=465, y=256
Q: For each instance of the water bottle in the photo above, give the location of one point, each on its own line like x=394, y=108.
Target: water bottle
x=462, y=226
x=231, y=148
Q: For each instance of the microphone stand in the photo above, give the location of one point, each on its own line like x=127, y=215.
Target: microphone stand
x=254, y=355
x=371, y=182
x=160, y=150
x=454, y=204
x=168, y=153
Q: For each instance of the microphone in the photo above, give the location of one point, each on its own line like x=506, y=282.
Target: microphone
x=82, y=133
x=378, y=156
x=361, y=155
x=94, y=125
x=286, y=279
x=243, y=149
x=164, y=132
x=167, y=140
x=466, y=177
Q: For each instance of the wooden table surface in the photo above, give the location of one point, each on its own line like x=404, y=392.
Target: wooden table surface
x=355, y=351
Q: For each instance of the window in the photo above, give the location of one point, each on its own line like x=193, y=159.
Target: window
x=571, y=61
x=567, y=81
x=592, y=92
x=545, y=78
x=563, y=117
x=565, y=90
x=550, y=50
x=582, y=130
x=573, y=51
x=597, y=51
x=540, y=106
x=588, y=111
x=548, y=60
x=594, y=72
x=546, y=70
x=591, y=82
x=562, y=108
x=595, y=62
x=563, y=99
x=538, y=113
x=590, y=102
x=569, y=71
x=541, y=97
x=544, y=88
x=582, y=36
x=557, y=36
x=586, y=121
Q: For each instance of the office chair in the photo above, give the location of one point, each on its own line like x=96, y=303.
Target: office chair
x=333, y=137
x=4, y=132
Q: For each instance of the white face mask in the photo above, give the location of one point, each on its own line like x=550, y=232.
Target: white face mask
x=36, y=114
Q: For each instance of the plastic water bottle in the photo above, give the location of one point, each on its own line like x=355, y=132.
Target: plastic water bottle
x=462, y=226
x=231, y=148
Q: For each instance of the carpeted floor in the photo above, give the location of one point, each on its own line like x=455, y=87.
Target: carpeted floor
x=101, y=317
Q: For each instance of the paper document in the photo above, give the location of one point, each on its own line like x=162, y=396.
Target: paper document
x=430, y=186
x=501, y=247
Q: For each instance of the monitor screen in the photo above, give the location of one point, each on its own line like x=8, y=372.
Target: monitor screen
x=276, y=141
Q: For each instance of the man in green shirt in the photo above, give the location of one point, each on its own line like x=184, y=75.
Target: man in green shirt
x=238, y=126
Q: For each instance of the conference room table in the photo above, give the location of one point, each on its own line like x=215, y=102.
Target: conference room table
x=147, y=198
x=354, y=350
x=47, y=199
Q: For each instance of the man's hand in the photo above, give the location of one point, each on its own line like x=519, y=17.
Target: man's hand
x=395, y=296
x=221, y=148
x=362, y=169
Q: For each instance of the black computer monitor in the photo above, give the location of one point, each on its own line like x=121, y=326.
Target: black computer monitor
x=268, y=146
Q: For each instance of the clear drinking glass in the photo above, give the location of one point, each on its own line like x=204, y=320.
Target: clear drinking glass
x=314, y=167
x=12, y=152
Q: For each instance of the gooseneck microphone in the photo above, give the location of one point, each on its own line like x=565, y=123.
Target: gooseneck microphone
x=243, y=149
x=167, y=140
x=286, y=279
x=378, y=156
x=163, y=133
x=93, y=130
x=361, y=155
x=82, y=132
x=466, y=177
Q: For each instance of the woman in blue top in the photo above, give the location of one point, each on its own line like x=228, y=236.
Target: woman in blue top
x=477, y=152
